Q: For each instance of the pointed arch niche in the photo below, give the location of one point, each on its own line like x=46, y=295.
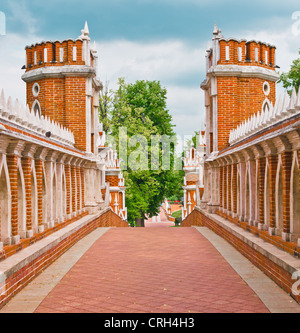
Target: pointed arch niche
x=267, y=195
x=36, y=108
x=21, y=203
x=5, y=204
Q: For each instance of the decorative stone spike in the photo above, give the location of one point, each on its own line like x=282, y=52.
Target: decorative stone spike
x=2, y=100
x=3, y=105
x=279, y=108
x=293, y=100
x=9, y=104
x=286, y=102
x=270, y=115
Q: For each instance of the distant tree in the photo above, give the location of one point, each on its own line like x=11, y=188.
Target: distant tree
x=292, y=77
x=140, y=107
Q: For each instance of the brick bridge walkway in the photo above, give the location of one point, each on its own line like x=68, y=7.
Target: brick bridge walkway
x=131, y=270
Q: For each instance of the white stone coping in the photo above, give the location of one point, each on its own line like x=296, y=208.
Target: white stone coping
x=283, y=259
x=58, y=71
x=20, y=259
x=243, y=71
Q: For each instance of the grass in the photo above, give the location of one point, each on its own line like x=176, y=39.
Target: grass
x=178, y=213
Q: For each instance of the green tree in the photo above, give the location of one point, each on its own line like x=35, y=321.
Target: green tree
x=140, y=109
x=292, y=77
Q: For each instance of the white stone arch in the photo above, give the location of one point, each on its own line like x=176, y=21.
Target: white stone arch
x=44, y=194
x=295, y=197
x=54, y=193
x=36, y=108
x=21, y=201
x=238, y=191
x=267, y=195
x=257, y=192
x=5, y=203
x=242, y=190
x=34, y=198
x=279, y=197
x=64, y=193
x=247, y=193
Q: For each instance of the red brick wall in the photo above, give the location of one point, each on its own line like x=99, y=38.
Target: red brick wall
x=238, y=99
x=75, y=109
x=63, y=100
x=112, y=180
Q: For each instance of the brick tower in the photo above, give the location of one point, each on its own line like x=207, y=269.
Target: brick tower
x=240, y=80
x=61, y=84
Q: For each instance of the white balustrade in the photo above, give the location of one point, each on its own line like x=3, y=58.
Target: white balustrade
x=285, y=107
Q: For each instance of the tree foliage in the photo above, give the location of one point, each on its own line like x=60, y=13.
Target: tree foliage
x=292, y=77
x=141, y=109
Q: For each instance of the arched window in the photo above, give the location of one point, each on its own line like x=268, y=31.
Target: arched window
x=266, y=107
x=36, y=108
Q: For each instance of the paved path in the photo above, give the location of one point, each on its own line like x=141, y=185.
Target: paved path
x=152, y=270
x=159, y=270
x=163, y=221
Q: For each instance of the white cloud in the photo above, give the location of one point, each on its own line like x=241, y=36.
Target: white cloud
x=187, y=108
x=153, y=61
x=166, y=62
x=12, y=58
x=21, y=13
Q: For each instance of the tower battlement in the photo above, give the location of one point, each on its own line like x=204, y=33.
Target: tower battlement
x=61, y=53
x=246, y=53
x=57, y=53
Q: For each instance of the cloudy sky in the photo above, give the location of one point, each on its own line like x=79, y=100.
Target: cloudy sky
x=162, y=40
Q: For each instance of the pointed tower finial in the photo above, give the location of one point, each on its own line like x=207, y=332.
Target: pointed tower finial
x=215, y=32
x=85, y=32
x=94, y=48
x=86, y=29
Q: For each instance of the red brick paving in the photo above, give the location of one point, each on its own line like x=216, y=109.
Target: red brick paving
x=159, y=270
